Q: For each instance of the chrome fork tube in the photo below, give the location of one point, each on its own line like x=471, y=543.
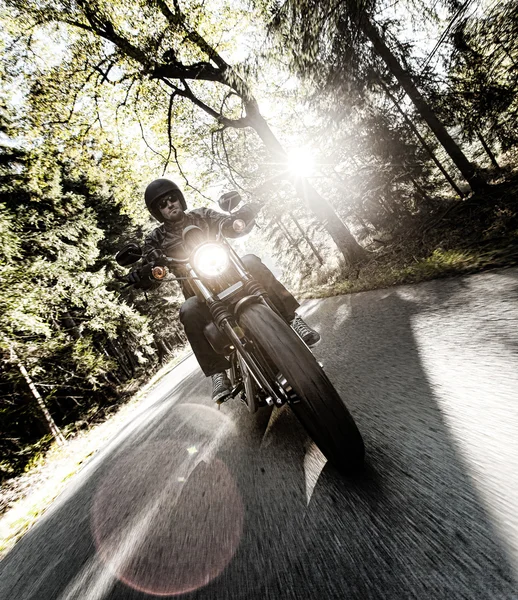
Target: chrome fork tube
x=235, y=332
x=237, y=263
x=205, y=292
x=251, y=363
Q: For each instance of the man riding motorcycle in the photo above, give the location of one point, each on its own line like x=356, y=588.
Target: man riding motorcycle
x=166, y=203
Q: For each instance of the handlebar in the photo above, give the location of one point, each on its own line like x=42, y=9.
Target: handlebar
x=122, y=279
x=159, y=271
x=169, y=260
x=238, y=225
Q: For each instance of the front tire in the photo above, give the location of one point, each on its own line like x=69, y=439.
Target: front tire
x=320, y=410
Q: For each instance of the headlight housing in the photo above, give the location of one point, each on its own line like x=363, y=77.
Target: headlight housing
x=211, y=260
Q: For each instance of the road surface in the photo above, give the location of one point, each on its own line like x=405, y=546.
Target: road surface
x=219, y=505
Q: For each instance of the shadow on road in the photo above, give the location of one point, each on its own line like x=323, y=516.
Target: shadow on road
x=417, y=527
x=218, y=502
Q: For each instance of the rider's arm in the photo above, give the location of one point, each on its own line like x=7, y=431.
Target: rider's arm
x=141, y=276
x=247, y=213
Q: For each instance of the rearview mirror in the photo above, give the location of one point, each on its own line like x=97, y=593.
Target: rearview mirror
x=131, y=253
x=229, y=200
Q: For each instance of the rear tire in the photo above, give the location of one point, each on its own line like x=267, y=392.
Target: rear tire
x=321, y=410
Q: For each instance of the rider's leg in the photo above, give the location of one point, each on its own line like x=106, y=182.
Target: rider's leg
x=283, y=300
x=194, y=315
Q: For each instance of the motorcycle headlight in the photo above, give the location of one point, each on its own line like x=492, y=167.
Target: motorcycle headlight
x=211, y=260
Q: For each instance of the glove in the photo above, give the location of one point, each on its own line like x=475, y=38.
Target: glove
x=134, y=277
x=248, y=211
x=154, y=256
x=141, y=278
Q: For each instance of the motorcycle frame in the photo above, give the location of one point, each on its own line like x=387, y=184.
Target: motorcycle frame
x=227, y=323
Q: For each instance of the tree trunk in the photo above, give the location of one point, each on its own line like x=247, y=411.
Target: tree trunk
x=162, y=350
x=398, y=210
x=337, y=229
x=131, y=358
x=387, y=208
x=292, y=242
x=467, y=169
x=47, y=419
x=366, y=229
x=488, y=150
x=121, y=360
x=423, y=142
x=308, y=241
x=427, y=200
x=71, y=326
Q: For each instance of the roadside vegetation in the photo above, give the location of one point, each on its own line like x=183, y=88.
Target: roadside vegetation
x=468, y=237
x=25, y=498
x=381, y=138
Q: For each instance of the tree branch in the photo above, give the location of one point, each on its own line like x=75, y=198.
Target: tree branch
x=227, y=160
x=104, y=29
x=169, y=133
x=142, y=130
x=189, y=94
x=177, y=21
x=177, y=70
x=172, y=148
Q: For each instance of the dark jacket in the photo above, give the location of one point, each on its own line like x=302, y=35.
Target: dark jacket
x=167, y=238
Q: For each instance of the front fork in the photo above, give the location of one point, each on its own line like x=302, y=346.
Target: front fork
x=237, y=336
x=225, y=320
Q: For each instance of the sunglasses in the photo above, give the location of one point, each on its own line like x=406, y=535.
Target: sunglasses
x=163, y=202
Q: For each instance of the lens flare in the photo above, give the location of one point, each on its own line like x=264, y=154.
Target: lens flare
x=301, y=162
x=166, y=519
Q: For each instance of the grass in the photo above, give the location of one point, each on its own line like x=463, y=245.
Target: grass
x=473, y=235
x=48, y=476
x=440, y=263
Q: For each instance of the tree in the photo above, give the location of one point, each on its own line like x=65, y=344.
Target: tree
x=157, y=42
x=482, y=92
x=57, y=317
x=313, y=27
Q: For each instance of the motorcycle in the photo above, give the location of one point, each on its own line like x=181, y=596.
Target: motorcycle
x=270, y=365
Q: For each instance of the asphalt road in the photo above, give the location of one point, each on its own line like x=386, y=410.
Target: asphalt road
x=218, y=505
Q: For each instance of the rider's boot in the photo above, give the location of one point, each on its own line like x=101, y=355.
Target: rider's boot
x=221, y=387
x=309, y=336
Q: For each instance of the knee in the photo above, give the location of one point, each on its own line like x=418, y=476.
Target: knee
x=252, y=262
x=191, y=310
x=258, y=269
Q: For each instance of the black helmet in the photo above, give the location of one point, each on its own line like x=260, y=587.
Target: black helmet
x=158, y=188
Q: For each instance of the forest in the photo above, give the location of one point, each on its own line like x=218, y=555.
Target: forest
x=380, y=136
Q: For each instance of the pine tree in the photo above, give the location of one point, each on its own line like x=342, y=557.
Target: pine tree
x=314, y=29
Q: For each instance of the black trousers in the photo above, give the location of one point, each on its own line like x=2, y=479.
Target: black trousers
x=195, y=315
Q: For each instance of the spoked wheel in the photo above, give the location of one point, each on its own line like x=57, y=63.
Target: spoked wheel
x=319, y=408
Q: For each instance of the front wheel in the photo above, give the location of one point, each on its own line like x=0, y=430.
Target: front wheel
x=319, y=408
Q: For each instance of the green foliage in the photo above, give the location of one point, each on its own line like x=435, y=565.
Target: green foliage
x=440, y=262
x=483, y=75
x=60, y=317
